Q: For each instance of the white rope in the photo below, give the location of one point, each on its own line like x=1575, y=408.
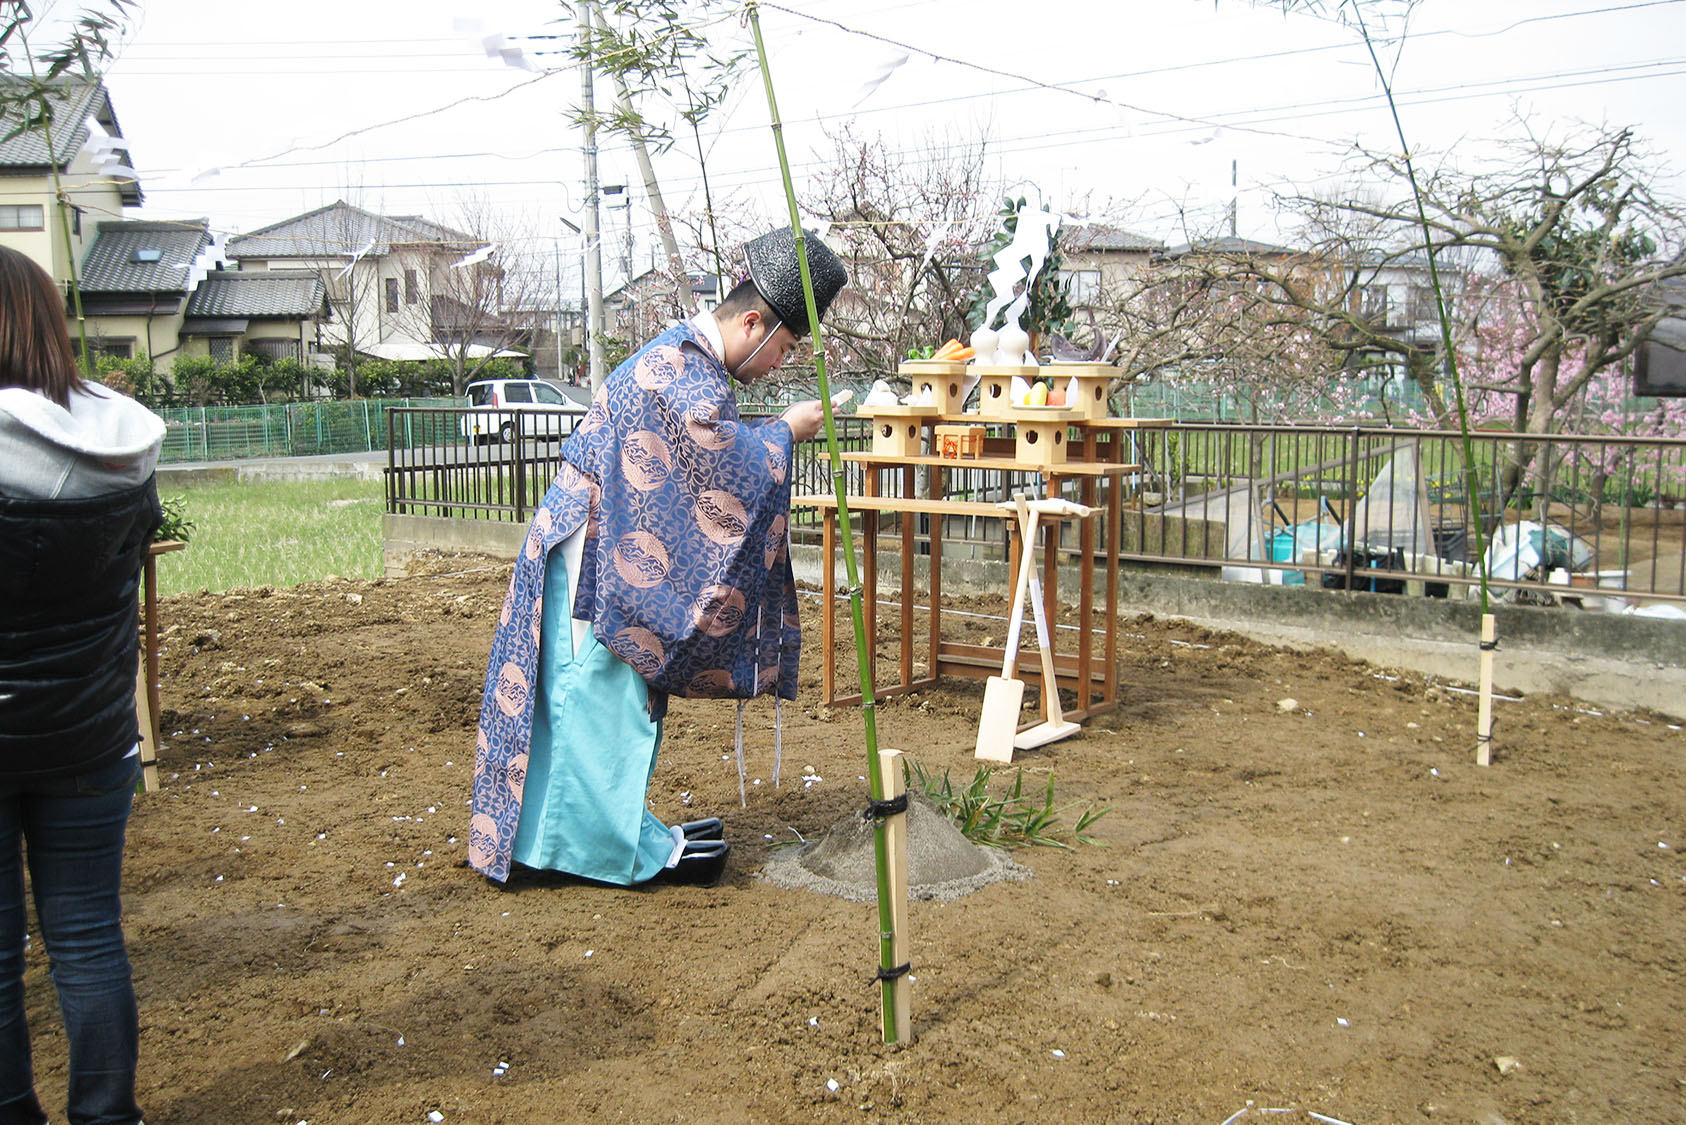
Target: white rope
x=778, y=737
x=743, y=791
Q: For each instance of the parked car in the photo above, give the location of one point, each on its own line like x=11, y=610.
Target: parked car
x=545, y=411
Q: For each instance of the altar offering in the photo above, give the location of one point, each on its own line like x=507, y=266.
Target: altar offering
x=957, y=442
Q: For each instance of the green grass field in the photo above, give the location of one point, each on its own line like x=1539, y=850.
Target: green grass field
x=261, y=533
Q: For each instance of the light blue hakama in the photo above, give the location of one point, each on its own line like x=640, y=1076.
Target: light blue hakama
x=594, y=746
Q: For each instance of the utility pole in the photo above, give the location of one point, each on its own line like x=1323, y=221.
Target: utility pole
x=587, y=10
x=1234, y=202
x=579, y=234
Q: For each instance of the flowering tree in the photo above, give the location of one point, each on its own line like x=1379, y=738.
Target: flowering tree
x=907, y=231
x=1570, y=223
x=1222, y=315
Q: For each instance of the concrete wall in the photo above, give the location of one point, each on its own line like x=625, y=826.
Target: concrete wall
x=290, y=469
x=1609, y=660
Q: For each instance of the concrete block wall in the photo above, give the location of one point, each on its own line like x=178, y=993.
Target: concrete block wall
x=1609, y=660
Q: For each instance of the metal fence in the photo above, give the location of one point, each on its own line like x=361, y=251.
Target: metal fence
x=1594, y=521
x=297, y=429
x=1555, y=518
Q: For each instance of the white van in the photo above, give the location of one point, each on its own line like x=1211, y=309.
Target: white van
x=545, y=411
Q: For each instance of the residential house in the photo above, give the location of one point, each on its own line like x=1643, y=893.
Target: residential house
x=90, y=162
x=1103, y=262
x=136, y=278
x=1101, y=266
x=1394, y=293
x=643, y=307
x=271, y=314
x=380, y=273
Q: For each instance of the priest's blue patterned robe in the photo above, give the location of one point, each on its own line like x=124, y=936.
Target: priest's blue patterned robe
x=685, y=577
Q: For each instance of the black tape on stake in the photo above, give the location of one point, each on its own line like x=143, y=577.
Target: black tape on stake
x=878, y=810
x=1489, y=646
x=892, y=974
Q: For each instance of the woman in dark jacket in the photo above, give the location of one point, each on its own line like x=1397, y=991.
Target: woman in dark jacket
x=77, y=509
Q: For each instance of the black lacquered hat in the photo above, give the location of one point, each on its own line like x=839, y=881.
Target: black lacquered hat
x=778, y=276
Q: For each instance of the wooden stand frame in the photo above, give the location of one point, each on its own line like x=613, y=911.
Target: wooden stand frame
x=146, y=669
x=1088, y=670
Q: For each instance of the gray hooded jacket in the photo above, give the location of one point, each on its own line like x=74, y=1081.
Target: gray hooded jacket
x=77, y=511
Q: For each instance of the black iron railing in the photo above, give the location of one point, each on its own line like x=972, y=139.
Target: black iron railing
x=1559, y=518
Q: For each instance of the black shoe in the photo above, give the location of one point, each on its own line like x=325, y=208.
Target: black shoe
x=700, y=865
x=709, y=829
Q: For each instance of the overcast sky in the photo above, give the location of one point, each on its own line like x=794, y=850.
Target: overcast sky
x=247, y=118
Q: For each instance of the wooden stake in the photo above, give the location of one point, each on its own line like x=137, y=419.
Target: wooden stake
x=897, y=1015
x=148, y=744
x=1484, y=715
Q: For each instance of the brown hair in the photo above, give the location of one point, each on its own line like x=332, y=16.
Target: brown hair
x=34, y=346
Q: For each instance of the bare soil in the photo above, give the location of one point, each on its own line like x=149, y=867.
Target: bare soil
x=1321, y=906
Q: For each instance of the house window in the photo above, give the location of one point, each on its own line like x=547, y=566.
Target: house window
x=1085, y=286
x=411, y=291
x=392, y=294
x=222, y=348
x=22, y=216
x=116, y=349
x=76, y=221
x=1373, y=303
x=272, y=350
x=1420, y=304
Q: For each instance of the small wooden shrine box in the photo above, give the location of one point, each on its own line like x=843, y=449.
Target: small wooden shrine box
x=1040, y=433
x=896, y=430
x=995, y=386
x=957, y=442
x=940, y=382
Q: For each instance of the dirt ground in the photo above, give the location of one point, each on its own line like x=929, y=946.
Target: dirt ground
x=1321, y=907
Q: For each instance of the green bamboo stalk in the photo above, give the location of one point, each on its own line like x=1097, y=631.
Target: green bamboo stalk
x=869, y=709
x=1471, y=492
x=62, y=203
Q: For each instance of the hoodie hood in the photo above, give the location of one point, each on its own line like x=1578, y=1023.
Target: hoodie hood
x=104, y=443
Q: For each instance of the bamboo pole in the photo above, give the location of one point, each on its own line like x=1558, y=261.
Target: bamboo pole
x=890, y=970
x=1488, y=643
x=895, y=1008
x=1484, y=714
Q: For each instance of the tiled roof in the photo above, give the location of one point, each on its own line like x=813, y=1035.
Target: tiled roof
x=73, y=101
x=144, y=257
x=1229, y=244
x=1096, y=236
x=340, y=230
x=278, y=293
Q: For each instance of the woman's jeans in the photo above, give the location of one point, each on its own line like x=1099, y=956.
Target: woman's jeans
x=72, y=828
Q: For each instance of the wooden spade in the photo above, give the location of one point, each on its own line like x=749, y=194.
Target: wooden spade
x=1003, y=694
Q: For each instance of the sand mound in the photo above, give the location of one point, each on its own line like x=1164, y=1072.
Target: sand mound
x=941, y=863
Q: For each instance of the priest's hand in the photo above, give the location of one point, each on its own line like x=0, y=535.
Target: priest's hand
x=804, y=419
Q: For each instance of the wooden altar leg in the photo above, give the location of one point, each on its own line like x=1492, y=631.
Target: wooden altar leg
x=869, y=572
x=1085, y=597
x=938, y=488
x=1114, y=532
x=909, y=519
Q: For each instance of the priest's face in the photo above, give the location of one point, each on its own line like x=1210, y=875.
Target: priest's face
x=768, y=351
